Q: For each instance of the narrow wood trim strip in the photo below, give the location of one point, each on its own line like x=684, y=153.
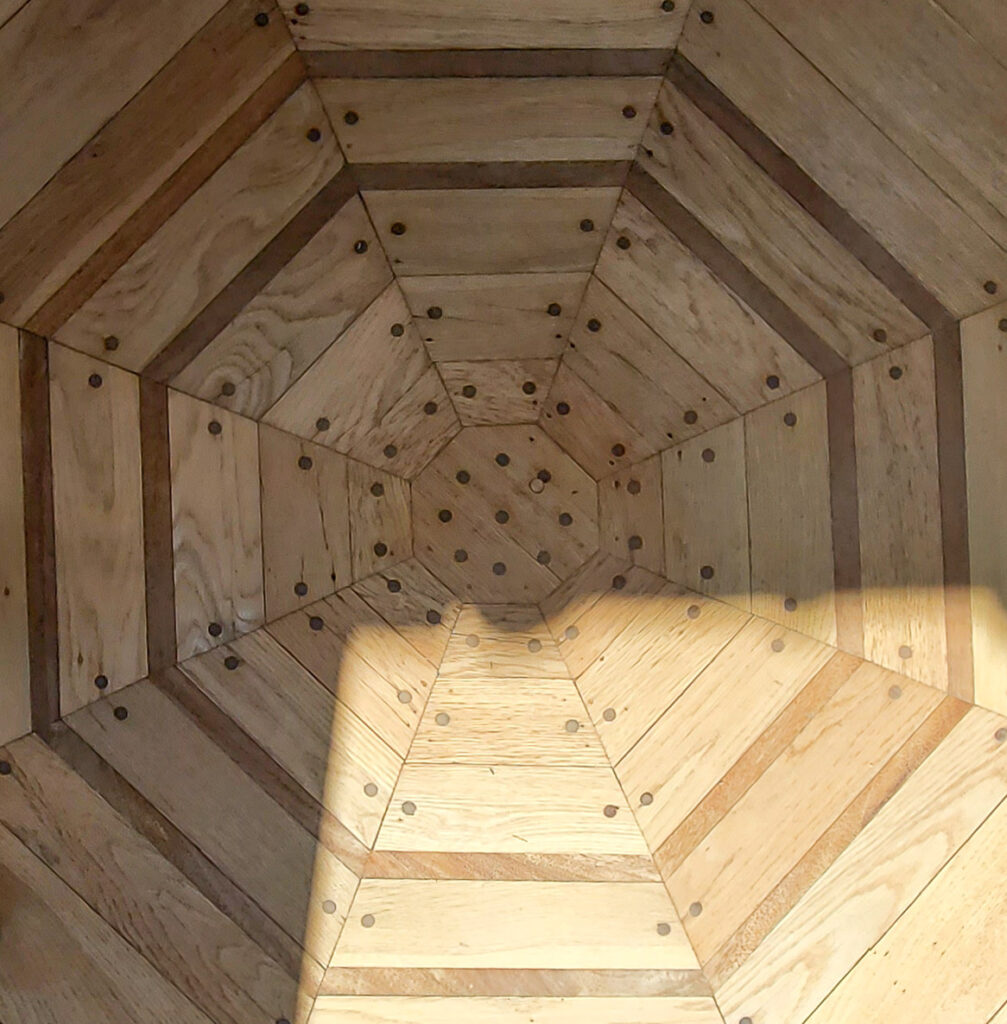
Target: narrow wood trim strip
x=785, y=896
x=224, y=307
x=511, y=867
x=39, y=532
x=169, y=197
x=806, y=191
x=556, y=63
x=733, y=273
x=950, y=398
x=261, y=768
x=541, y=174
x=176, y=848
x=845, y=505
x=158, y=547
x=503, y=982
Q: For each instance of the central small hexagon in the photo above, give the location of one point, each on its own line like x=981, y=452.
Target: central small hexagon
x=504, y=515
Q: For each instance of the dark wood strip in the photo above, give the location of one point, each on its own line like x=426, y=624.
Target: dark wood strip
x=889, y=779
x=733, y=273
x=169, y=197
x=222, y=309
x=40, y=533
x=806, y=191
x=510, y=867
x=158, y=553
x=845, y=513
x=954, y=509
x=262, y=769
x=502, y=982
x=556, y=63
x=176, y=848
x=542, y=174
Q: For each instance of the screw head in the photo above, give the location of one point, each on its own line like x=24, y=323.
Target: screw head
x=322, y=424
x=610, y=810
x=667, y=5
x=215, y=629
x=214, y=427
x=398, y=330
x=563, y=408
x=667, y=128
x=623, y=242
x=433, y=617
x=543, y=558
x=990, y=287
x=462, y=476
x=772, y=382
x=706, y=17
x=629, y=112
x=304, y=462
x=554, y=309
x=316, y=623
x=445, y=515
x=95, y=380
x=502, y=459
x=502, y=516
x=435, y=312
x=880, y=335
x=618, y=582
x=228, y=389
x=301, y=10
x=634, y=487
x=529, y=387
x=394, y=586
x=101, y=681
x=262, y=19
x=430, y=408
x=635, y=542
x=351, y=117
x=587, y=224
x=690, y=416
x=360, y=246
x=390, y=451
x=790, y=419
x=314, y=135
x=380, y=549
x=1000, y=735
x=398, y=228
x=469, y=391
x=499, y=569
x=377, y=489
x=5, y=768
x=231, y=663
x=301, y=588
x=706, y=572
x=111, y=343
x=895, y=372
x=565, y=519
x=120, y=713
x=594, y=325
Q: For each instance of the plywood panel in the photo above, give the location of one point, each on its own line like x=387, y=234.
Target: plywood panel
x=433, y=120
x=279, y=334
x=505, y=391
x=503, y=642
x=706, y=514
x=305, y=521
x=706, y=324
x=15, y=698
x=902, y=562
x=631, y=514
x=216, y=524
x=489, y=231
x=98, y=507
x=494, y=316
x=212, y=237
x=790, y=514
x=381, y=531
x=540, y=924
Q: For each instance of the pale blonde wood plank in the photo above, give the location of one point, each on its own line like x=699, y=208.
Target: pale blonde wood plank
x=537, y=924
x=494, y=316
x=631, y=514
x=790, y=514
x=506, y=391
x=381, y=531
x=15, y=697
x=305, y=521
x=705, y=323
x=491, y=231
x=211, y=238
x=502, y=642
x=217, y=527
x=281, y=332
x=98, y=509
x=902, y=562
x=706, y=545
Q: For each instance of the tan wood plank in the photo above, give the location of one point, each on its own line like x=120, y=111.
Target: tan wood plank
x=506, y=391
x=501, y=642
x=980, y=20
x=494, y=316
x=902, y=563
x=98, y=506
x=211, y=238
x=196, y=947
x=281, y=332
x=15, y=693
x=381, y=532
x=790, y=514
x=581, y=591
x=706, y=542
x=305, y=521
x=540, y=924
x=631, y=514
x=488, y=231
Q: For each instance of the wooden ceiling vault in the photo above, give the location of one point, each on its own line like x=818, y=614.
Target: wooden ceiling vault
x=501, y=512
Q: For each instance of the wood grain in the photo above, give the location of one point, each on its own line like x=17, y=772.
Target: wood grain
x=381, y=530
x=631, y=514
x=507, y=391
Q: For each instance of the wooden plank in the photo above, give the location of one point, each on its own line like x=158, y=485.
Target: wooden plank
x=510, y=642
x=706, y=544
x=249, y=836
x=513, y=867
x=249, y=365
x=108, y=179
x=790, y=514
x=581, y=591
x=94, y=851
x=521, y=174
x=300, y=724
x=733, y=348
x=902, y=562
x=98, y=503
x=15, y=676
x=430, y=120
x=506, y=391
x=342, y=24
x=168, y=281
x=823, y=283
x=631, y=514
x=381, y=531
x=541, y=924
x=846, y=152
x=305, y=521
x=217, y=524
x=985, y=372
x=502, y=316
x=90, y=974
x=482, y=231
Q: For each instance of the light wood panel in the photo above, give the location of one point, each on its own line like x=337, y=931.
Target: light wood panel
x=631, y=514
x=98, y=507
x=505, y=641
x=203, y=246
x=381, y=532
x=489, y=231
x=902, y=561
x=790, y=514
x=506, y=391
x=216, y=520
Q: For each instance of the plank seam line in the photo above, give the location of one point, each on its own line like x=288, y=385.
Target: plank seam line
x=475, y=174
